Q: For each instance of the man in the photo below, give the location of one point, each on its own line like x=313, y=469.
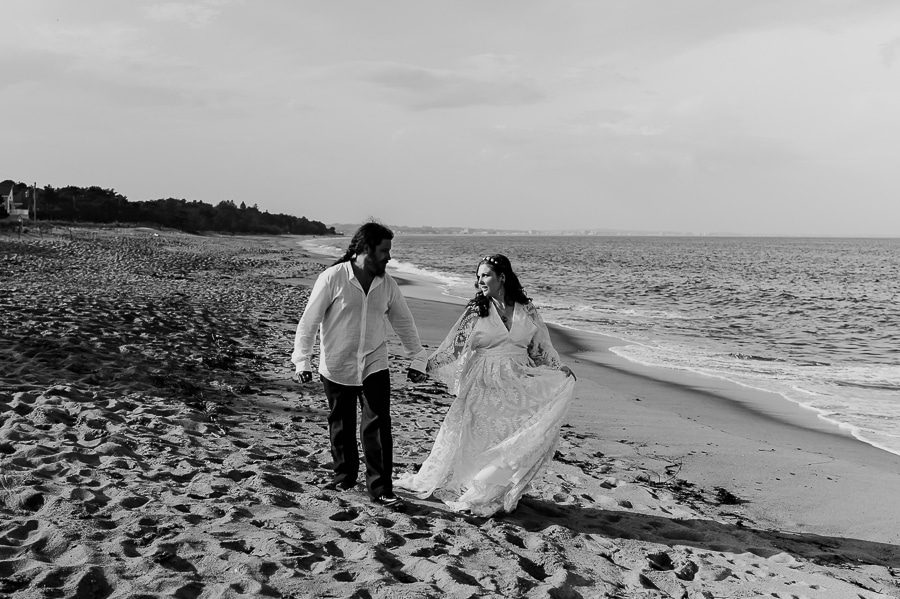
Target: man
x=348, y=307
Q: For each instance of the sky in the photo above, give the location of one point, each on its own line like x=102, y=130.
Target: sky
x=773, y=117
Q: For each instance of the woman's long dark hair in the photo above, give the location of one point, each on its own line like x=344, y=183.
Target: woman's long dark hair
x=513, y=292
x=370, y=235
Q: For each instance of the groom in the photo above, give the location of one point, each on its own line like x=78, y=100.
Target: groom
x=347, y=308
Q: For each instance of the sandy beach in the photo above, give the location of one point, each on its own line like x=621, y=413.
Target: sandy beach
x=152, y=444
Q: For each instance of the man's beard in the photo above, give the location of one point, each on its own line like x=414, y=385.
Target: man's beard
x=375, y=267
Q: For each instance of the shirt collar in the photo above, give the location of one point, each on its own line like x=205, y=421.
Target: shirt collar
x=352, y=274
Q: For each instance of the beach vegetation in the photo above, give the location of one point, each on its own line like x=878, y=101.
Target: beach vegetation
x=98, y=205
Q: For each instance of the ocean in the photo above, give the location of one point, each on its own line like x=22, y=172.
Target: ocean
x=815, y=320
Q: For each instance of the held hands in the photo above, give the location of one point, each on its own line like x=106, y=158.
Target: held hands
x=568, y=372
x=415, y=376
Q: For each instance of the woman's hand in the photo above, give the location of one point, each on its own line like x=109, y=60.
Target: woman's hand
x=568, y=372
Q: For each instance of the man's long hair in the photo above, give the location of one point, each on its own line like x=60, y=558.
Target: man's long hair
x=370, y=235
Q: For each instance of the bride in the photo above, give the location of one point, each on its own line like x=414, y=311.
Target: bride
x=512, y=394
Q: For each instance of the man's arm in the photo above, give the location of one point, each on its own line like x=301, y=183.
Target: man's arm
x=320, y=299
x=404, y=325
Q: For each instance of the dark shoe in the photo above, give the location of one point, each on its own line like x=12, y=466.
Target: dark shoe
x=389, y=500
x=339, y=486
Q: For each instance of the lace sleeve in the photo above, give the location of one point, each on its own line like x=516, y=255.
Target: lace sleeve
x=541, y=350
x=448, y=360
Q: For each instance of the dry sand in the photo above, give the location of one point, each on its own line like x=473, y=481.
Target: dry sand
x=153, y=445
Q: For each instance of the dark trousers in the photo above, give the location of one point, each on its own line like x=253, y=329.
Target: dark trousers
x=374, y=396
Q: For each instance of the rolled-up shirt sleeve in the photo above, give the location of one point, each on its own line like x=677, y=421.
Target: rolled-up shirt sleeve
x=404, y=326
x=320, y=299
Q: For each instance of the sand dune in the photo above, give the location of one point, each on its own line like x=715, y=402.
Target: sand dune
x=152, y=445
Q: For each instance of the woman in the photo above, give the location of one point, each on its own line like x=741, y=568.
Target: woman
x=512, y=394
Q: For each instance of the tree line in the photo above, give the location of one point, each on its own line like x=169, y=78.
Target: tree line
x=106, y=206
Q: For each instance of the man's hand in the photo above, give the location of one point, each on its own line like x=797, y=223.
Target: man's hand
x=304, y=377
x=416, y=376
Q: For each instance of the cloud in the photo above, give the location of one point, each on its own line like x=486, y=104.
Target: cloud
x=196, y=15
x=101, y=41
x=17, y=67
x=889, y=51
x=595, y=74
x=425, y=89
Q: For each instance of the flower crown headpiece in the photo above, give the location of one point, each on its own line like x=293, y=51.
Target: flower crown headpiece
x=493, y=261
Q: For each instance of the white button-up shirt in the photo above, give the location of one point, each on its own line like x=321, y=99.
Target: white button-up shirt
x=352, y=326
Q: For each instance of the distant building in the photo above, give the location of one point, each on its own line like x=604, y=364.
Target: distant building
x=15, y=203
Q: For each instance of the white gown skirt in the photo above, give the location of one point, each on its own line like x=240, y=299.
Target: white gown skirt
x=498, y=435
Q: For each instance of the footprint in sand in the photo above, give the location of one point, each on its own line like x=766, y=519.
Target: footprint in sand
x=132, y=502
x=344, y=515
x=28, y=499
x=19, y=533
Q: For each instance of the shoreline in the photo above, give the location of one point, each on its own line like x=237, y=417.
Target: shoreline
x=791, y=468
x=594, y=347
x=794, y=470
x=597, y=346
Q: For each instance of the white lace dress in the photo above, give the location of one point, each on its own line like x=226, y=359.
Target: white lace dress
x=503, y=428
